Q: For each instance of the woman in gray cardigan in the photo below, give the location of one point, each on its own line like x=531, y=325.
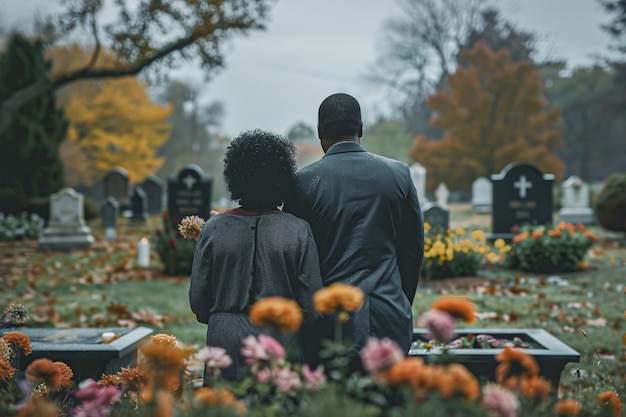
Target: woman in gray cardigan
x=253, y=251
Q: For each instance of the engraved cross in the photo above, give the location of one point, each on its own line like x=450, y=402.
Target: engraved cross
x=523, y=185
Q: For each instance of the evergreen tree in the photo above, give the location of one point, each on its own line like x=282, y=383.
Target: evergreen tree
x=30, y=165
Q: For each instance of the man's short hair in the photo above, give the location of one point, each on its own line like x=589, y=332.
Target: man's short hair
x=339, y=115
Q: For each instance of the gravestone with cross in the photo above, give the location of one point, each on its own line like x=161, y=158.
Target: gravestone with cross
x=522, y=194
x=189, y=193
x=575, y=202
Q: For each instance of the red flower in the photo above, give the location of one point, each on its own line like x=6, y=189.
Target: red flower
x=167, y=229
x=158, y=232
x=166, y=216
x=172, y=243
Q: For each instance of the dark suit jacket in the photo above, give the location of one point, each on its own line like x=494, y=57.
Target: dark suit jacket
x=368, y=227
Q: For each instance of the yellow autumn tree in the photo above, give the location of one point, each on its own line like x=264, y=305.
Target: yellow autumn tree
x=493, y=113
x=113, y=122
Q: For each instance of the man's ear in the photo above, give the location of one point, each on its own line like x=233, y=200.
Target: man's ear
x=320, y=132
x=360, y=129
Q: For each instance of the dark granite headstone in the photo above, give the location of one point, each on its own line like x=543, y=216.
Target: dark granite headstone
x=522, y=194
x=116, y=185
x=189, y=193
x=110, y=212
x=138, y=207
x=83, y=350
x=153, y=187
x=436, y=216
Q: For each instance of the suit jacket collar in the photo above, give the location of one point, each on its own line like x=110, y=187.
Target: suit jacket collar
x=342, y=147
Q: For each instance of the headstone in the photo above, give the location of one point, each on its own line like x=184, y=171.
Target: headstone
x=83, y=349
x=575, y=202
x=153, y=187
x=116, y=185
x=189, y=193
x=442, y=194
x=522, y=194
x=436, y=216
x=138, y=207
x=481, y=195
x=418, y=175
x=66, y=229
x=110, y=213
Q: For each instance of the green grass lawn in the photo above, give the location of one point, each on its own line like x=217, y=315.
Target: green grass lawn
x=103, y=287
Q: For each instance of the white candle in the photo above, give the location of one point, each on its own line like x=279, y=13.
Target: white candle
x=108, y=335
x=143, y=253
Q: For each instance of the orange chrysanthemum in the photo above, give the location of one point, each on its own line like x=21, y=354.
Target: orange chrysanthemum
x=591, y=236
x=338, y=297
x=6, y=371
x=133, y=379
x=405, y=372
x=109, y=380
x=278, y=313
x=460, y=381
x=38, y=407
x=514, y=362
x=20, y=341
x=530, y=386
x=67, y=374
x=163, y=364
x=47, y=372
x=567, y=407
x=537, y=234
x=164, y=339
x=610, y=400
x=521, y=236
x=457, y=306
x=554, y=233
x=217, y=396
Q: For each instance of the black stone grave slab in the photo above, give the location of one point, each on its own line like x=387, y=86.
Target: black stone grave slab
x=522, y=194
x=153, y=187
x=82, y=349
x=189, y=193
x=436, y=216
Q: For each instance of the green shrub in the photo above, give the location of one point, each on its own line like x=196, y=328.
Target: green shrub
x=610, y=205
x=23, y=226
x=176, y=253
x=542, y=249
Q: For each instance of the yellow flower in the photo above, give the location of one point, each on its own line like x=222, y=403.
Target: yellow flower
x=281, y=314
x=338, y=297
x=505, y=249
x=499, y=243
x=491, y=257
x=478, y=235
x=460, y=231
x=439, y=248
x=426, y=226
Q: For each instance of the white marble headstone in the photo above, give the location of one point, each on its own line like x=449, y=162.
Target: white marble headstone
x=418, y=175
x=67, y=229
x=442, y=193
x=482, y=194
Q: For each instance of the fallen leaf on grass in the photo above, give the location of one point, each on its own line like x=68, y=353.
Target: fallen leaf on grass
x=148, y=318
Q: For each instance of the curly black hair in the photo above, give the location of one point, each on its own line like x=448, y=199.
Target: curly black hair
x=259, y=169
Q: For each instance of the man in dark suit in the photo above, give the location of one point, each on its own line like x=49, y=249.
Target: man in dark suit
x=367, y=223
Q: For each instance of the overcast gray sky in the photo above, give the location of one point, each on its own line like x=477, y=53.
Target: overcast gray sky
x=313, y=48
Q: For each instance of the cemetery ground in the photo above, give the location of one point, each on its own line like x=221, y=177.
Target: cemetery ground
x=104, y=287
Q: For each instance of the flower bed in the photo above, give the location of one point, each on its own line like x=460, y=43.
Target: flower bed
x=551, y=354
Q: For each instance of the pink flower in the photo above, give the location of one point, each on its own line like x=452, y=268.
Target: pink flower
x=314, y=379
x=214, y=212
x=265, y=348
x=440, y=326
x=499, y=401
x=286, y=379
x=378, y=355
x=214, y=357
x=96, y=400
